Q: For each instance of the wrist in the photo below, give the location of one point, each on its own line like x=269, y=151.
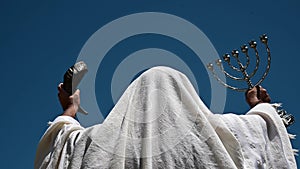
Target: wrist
x=253, y=102
x=70, y=111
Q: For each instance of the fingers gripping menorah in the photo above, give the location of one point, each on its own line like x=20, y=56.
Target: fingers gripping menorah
x=242, y=68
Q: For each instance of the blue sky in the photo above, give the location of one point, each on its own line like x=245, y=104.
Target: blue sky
x=39, y=40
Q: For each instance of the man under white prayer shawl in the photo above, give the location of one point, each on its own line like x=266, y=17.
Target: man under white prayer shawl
x=160, y=122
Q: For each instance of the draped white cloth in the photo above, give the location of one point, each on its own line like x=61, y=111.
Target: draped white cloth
x=160, y=122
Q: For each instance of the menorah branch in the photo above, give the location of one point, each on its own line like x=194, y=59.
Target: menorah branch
x=269, y=61
x=257, y=58
x=210, y=67
x=219, y=63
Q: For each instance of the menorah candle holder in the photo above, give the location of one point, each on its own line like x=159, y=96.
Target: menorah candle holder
x=242, y=68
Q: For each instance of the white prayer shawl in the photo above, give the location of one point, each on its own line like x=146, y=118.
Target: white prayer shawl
x=160, y=122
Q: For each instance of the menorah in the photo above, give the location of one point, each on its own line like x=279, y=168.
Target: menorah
x=243, y=67
x=288, y=119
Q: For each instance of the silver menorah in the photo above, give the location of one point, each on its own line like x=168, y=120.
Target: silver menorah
x=287, y=119
x=242, y=68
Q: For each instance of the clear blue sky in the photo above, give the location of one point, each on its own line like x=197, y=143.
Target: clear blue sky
x=39, y=40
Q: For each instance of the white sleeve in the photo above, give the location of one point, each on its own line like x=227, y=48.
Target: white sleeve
x=57, y=144
x=281, y=147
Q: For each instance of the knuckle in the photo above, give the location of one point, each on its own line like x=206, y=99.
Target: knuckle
x=263, y=89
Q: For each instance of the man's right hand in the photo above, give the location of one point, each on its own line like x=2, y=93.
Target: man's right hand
x=70, y=104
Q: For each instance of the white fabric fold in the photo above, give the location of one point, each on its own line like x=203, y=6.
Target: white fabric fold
x=160, y=122
x=56, y=147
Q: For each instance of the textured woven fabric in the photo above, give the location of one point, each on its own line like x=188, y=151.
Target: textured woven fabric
x=160, y=122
